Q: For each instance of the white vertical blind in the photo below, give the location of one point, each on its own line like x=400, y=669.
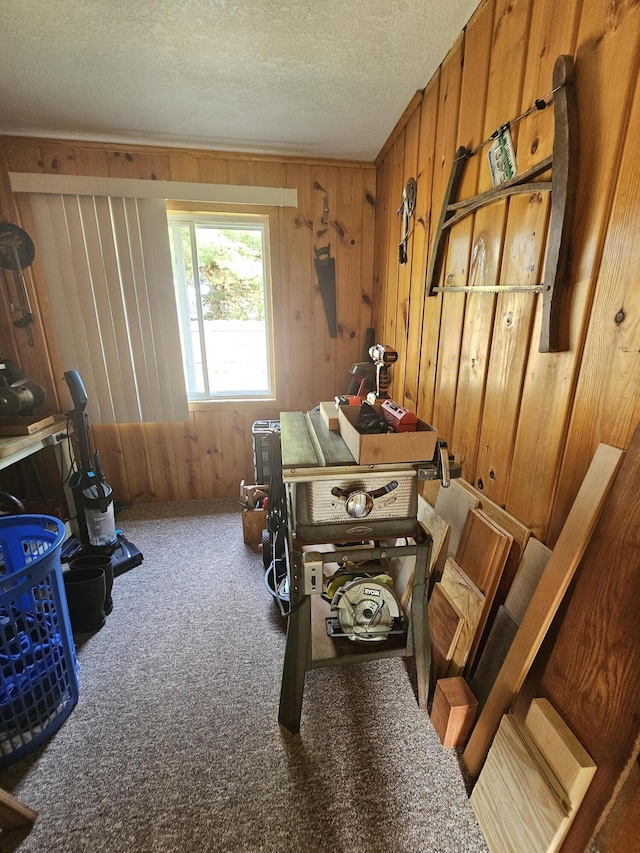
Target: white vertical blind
x=107, y=265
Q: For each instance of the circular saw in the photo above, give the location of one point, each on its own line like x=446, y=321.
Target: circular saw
x=368, y=609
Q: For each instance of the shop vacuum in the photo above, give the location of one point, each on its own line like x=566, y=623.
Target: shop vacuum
x=93, y=497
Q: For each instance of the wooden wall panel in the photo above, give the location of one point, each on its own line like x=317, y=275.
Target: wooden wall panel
x=453, y=361
x=411, y=145
x=445, y=133
x=525, y=424
x=420, y=241
x=209, y=455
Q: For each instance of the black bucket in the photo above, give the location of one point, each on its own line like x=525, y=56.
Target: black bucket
x=100, y=561
x=86, y=591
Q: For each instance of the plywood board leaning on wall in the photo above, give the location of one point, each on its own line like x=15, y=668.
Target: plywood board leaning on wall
x=469, y=602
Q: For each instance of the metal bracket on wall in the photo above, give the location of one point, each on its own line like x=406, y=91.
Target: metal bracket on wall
x=563, y=166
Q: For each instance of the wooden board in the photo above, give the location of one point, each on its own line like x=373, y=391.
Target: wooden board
x=469, y=601
x=590, y=664
x=515, y=806
x=533, y=563
x=453, y=710
x=452, y=505
x=25, y=425
x=13, y=812
x=476, y=551
x=439, y=531
x=512, y=525
x=445, y=625
x=544, y=604
x=568, y=759
x=489, y=609
x=498, y=643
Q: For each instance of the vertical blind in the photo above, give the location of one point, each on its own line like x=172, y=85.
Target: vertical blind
x=107, y=266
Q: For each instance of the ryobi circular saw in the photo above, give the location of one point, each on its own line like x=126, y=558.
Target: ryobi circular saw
x=367, y=608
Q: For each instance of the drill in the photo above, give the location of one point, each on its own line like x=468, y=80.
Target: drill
x=382, y=356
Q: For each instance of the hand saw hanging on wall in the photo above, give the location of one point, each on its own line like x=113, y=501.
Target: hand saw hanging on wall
x=326, y=271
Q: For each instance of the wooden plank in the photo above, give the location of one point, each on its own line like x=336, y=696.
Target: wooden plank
x=564, y=560
x=324, y=184
x=421, y=236
x=561, y=749
x=299, y=269
x=490, y=589
x=533, y=563
x=476, y=551
x=515, y=805
x=439, y=531
x=387, y=332
x=14, y=814
x=607, y=57
x=446, y=128
x=606, y=395
x=412, y=138
x=475, y=73
x=503, y=99
x=469, y=601
x=445, y=625
x=501, y=635
x=512, y=525
x=590, y=673
x=297, y=447
x=452, y=505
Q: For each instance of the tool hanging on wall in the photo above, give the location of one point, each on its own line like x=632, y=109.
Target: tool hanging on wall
x=326, y=271
x=562, y=164
x=16, y=254
x=406, y=209
x=324, y=221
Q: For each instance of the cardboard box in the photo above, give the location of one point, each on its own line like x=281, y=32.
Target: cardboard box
x=329, y=412
x=254, y=521
x=418, y=446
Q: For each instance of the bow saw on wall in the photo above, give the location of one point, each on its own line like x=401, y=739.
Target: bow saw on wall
x=563, y=166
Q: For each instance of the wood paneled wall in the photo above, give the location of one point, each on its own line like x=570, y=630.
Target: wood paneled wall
x=209, y=455
x=524, y=424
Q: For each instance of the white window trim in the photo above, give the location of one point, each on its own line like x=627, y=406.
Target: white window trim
x=190, y=218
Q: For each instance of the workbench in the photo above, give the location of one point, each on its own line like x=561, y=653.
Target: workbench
x=311, y=453
x=13, y=448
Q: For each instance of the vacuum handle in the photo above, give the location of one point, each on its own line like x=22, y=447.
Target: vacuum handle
x=79, y=397
x=76, y=389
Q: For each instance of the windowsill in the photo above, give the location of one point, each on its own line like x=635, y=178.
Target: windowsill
x=236, y=403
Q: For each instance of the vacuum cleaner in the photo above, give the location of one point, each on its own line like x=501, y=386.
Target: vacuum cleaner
x=93, y=497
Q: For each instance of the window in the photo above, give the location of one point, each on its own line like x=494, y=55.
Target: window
x=222, y=287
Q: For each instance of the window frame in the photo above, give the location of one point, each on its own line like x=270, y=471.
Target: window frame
x=187, y=215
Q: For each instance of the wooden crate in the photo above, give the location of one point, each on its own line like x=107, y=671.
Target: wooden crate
x=254, y=521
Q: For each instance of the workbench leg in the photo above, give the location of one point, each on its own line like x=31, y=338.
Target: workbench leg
x=296, y=657
x=420, y=622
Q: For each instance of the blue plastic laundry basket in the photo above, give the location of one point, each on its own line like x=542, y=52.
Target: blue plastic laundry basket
x=38, y=666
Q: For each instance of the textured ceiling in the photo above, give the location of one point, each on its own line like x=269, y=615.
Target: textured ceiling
x=318, y=79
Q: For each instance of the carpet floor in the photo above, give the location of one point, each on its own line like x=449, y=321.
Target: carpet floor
x=175, y=746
